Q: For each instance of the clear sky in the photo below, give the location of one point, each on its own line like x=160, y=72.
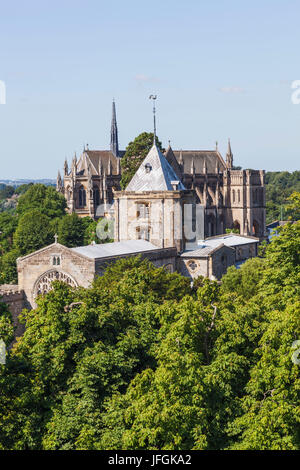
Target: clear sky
x=220, y=68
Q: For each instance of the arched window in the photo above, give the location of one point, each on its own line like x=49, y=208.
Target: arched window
x=237, y=226
x=239, y=195
x=255, y=228
x=56, y=260
x=96, y=194
x=233, y=195
x=82, y=197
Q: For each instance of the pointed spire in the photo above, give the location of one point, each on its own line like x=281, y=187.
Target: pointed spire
x=114, y=143
x=59, y=185
x=229, y=156
x=66, y=167
x=74, y=165
x=154, y=98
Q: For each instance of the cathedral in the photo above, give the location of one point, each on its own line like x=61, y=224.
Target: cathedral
x=176, y=212
x=228, y=198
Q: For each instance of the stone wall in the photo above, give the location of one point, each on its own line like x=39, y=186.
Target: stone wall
x=13, y=297
x=31, y=268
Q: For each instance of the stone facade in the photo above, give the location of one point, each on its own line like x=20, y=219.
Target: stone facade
x=37, y=271
x=156, y=216
x=212, y=265
x=14, y=298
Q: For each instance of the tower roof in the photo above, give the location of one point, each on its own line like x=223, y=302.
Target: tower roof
x=154, y=174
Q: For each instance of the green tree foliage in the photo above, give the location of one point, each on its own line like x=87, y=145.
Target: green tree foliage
x=279, y=186
x=8, y=225
x=8, y=267
x=71, y=230
x=6, y=192
x=43, y=198
x=34, y=231
x=142, y=360
x=135, y=153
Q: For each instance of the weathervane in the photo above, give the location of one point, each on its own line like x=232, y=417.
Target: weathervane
x=153, y=98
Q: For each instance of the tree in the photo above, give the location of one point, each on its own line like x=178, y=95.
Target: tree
x=135, y=153
x=71, y=231
x=43, y=198
x=8, y=267
x=34, y=231
x=8, y=225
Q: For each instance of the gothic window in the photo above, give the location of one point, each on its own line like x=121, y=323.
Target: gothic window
x=82, y=197
x=56, y=260
x=44, y=283
x=237, y=226
x=233, y=195
x=239, y=195
x=96, y=196
x=255, y=228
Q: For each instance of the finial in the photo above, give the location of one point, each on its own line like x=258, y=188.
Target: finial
x=217, y=145
x=55, y=238
x=153, y=98
x=169, y=143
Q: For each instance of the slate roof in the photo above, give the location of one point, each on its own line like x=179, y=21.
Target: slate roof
x=160, y=176
x=197, y=157
x=205, y=247
x=94, y=157
x=106, y=250
x=200, y=252
x=229, y=240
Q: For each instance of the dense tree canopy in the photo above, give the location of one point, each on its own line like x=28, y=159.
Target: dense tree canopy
x=279, y=186
x=144, y=360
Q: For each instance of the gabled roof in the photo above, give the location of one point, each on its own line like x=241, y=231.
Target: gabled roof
x=230, y=239
x=154, y=174
x=107, y=250
x=94, y=158
x=212, y=159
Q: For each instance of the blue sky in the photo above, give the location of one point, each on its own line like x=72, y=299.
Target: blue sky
x=220, y=68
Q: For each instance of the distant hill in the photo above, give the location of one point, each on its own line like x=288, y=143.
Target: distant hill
x=18, y=182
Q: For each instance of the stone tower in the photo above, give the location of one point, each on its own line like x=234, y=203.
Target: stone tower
x=152, y=206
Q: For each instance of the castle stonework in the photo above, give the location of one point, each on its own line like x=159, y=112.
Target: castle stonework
x=14, y=298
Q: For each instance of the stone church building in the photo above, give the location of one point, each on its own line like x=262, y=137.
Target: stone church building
x=174, y=212
x=230, y=198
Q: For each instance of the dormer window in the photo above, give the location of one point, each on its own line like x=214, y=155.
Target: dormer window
x=148, y=167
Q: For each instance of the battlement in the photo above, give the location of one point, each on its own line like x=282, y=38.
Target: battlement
x=14, y=298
